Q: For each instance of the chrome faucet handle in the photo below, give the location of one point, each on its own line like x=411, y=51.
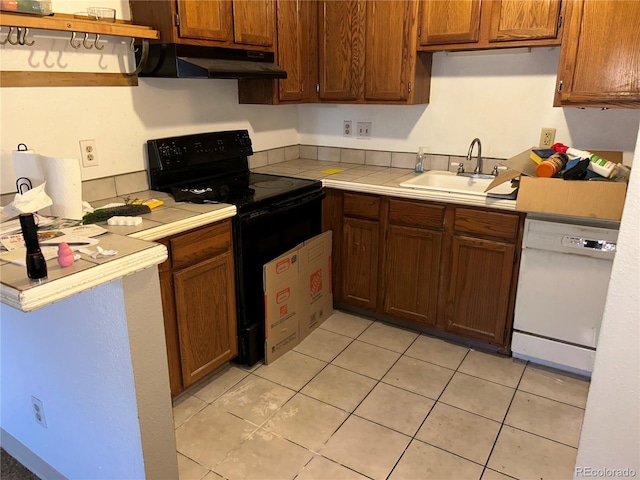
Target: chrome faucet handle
x=461, y=167
x=494, y=172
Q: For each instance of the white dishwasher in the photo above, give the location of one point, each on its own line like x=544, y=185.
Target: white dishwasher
x=562, y=288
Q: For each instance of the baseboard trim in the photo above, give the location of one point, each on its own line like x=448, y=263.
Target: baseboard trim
x=26, y=457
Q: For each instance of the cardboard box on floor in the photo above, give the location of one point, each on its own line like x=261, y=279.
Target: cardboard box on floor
x=592, y=199
x=298, y=295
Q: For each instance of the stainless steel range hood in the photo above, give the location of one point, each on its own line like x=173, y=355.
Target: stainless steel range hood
x=171, y=60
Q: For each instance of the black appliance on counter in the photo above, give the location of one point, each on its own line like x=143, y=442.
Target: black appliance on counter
x=275, y=213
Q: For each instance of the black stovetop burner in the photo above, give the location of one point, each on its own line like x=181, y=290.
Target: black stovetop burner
x=252, y=189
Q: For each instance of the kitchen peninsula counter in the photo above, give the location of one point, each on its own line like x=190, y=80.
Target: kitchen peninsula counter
x=135, y=247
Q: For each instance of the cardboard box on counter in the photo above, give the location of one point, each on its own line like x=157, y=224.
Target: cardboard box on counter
x=575, y=198
x=298, y=295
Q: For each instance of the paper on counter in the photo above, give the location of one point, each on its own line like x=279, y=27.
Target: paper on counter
x=18, y=256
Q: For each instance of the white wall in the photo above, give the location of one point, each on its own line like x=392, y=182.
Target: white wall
x=504, y=99
x=74, y=356
x=98, y=363
x=610, y=436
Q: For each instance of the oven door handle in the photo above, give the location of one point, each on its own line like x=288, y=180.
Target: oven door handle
x=287, y=204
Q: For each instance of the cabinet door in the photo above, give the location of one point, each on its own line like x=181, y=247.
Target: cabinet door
x=294, y=49
x=340, y=26
x=360, y=262
x=206, y=19
x=205, y=307
x=600, y=56
x=172, y=338
x=523, y=19
x=449, y=21
x=254, y=22
x=479, y=288
x=411, y=272
x=388, y=49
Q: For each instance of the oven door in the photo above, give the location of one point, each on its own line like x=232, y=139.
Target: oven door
x=259, y=237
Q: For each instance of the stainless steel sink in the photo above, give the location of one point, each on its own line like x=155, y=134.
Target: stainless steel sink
x=450, y=182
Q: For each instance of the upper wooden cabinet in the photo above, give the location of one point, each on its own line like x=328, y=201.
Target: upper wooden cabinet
x=483, y=24
x=297, y=37
x=225, y=23
x=367, y=53
x=600, y=56
x=296, y=53
x=340, y=49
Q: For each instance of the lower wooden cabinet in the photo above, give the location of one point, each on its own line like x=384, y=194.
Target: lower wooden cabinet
x=359, y=262
x=197, y=282
x=411, y=268
x=479, y=289
x=448, y=267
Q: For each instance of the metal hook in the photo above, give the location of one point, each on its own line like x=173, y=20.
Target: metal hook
x=73, y=37
x=3, y=42
x=84, y=42
x=131, y=45
x=9, y=36
x=23, y=184
x=24, y=38
x=95, y=44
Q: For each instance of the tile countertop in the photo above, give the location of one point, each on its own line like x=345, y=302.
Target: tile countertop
x=136, y=251
x=375, y=179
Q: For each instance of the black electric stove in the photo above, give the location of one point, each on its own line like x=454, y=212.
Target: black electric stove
x=275, y=213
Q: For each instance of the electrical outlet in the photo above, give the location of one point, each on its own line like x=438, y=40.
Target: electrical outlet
x=347, y=128
x=89, y=153
x=547, y=136
x=38, y=411
x=364, y=129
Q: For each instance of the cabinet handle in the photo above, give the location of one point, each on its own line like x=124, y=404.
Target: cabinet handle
x=560, y=86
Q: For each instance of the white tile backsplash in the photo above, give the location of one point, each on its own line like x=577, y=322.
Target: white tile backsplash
x=331, y=154
x=98, y=189
x=373, y=157
x=403, y=160
x=258, y=159
x=351, y=155
x=309, y=151
x=275, y=155
x=291, y=152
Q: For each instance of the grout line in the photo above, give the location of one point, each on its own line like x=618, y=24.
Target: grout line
x=503, y=419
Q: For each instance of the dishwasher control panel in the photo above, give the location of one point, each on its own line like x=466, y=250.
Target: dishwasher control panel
x=570, y=238
x=579, y=242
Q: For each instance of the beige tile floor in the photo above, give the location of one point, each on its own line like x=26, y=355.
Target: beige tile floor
x=361, y=399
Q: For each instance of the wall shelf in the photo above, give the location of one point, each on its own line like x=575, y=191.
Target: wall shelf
x=73, y=24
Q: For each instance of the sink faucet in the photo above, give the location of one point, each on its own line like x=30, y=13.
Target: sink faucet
x=478, y=169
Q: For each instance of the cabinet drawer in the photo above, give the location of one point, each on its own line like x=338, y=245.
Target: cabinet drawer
x=492, y=224
x=201, y=244
x=415, y=214
x=361, y=206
